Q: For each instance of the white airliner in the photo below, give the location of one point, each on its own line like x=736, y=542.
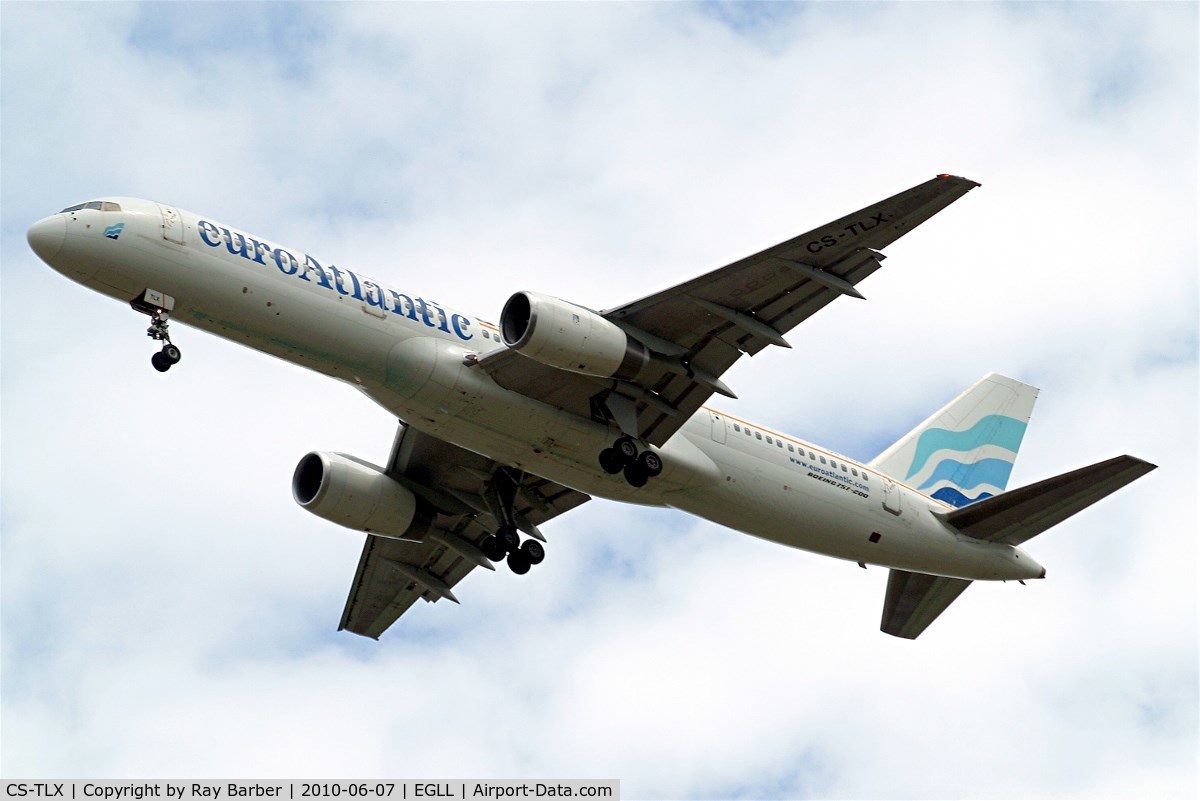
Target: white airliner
x=504, y=427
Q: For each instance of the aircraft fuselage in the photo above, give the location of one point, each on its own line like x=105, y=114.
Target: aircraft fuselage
x=413, y=355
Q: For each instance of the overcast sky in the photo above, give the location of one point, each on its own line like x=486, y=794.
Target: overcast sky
x=168, y=610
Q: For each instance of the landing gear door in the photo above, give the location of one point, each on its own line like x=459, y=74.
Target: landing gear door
x=718, y=427
x=172, y=224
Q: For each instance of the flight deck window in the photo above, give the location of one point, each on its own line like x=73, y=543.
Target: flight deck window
x=76, y=207
x=108, y=205
x=95, y=204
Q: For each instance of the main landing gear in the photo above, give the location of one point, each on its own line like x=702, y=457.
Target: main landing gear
x=506, y=543
x=170, y=354
x=623, y=456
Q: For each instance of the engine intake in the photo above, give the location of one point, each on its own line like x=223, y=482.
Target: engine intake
x=570, y=337
x=354, y=494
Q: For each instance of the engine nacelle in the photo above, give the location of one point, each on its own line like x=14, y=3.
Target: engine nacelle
x=354, y=494
x=569, y=337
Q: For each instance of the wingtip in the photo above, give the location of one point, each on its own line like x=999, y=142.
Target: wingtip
x=945, y=175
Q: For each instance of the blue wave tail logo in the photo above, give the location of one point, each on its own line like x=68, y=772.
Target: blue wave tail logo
x=114, y=231
x=977, y=460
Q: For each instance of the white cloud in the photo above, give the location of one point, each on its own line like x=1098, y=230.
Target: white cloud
x=168, y=610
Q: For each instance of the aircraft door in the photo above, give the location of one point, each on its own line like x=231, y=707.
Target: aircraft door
x=891, y=497
x=172, y=224
x=718, y=427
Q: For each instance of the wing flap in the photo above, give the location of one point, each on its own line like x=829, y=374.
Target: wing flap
x=914, y=600
x=1018, y=515
x=392, y=574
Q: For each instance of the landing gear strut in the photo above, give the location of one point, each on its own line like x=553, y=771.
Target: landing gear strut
x=170, y=354
x=623, y=456
x=506, y=543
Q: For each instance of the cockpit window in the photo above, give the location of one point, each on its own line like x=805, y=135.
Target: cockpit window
x=99, y=205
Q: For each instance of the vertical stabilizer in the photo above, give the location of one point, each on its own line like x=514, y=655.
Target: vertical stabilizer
x=965, y=451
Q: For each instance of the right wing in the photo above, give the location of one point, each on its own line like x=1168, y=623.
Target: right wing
x=914, y=600
x=702, y=326
x=453, y=485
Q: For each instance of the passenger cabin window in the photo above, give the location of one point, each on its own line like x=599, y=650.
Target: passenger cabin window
x=853, y=471
x=791, y=449
x=822, y=460
x=812, y=455
x=844, y=468
x=768, y=439
x=758, y=435
x=737, y=428
x=778, y=443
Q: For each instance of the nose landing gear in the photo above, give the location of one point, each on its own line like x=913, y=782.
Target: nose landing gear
x=170, y=354
x=158, y=305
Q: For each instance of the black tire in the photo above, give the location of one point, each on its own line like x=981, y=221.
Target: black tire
x=626, y=448
x=651, y=462
x=533, y=551
x=518, y=563
x=171, y=353
x=635, y=474
x=611, y=461
x=492, y=548
x=508, y=538
x=160, y=362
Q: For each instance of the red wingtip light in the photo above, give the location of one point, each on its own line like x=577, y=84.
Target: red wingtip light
x=945, y=175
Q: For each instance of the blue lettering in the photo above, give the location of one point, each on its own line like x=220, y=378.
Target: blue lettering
x=207, y=230
x=285, y=261
x=259, y=247
x=338, y=281
x=357, y=293
x=424, y=309
x=315, y=266
x=241, y=249
x=459, y=322
x=374, y=294
x=404, y=305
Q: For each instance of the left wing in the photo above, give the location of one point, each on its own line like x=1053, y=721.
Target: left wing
x=455, y=487
x=699, y=328
x=914, y=600
x=1021, y=514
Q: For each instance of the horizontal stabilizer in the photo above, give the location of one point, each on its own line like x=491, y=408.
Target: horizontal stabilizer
x=914, y=600
x=1018, y=515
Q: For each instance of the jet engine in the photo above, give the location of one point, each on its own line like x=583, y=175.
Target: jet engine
x=569, y=337
x=354, y=494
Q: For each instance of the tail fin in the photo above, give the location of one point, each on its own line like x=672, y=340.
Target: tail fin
x=965, y=451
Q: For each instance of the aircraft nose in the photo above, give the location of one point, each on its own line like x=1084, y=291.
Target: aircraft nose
x=46, y=237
